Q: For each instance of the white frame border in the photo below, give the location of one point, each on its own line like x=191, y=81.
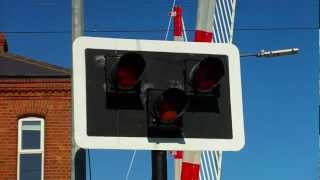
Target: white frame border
x=79, y=94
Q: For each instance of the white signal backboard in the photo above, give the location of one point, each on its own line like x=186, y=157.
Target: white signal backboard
x=111, y=142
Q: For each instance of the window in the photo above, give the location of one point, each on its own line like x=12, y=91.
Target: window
x=30, y=148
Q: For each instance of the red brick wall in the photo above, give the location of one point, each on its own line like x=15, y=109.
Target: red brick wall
x=46, y=98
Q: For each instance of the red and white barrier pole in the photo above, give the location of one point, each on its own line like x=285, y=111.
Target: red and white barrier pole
x=190, y=165
x=205, y=11
x=204, y=33
x=177, y=36
x=177, y=164
x=177, y=24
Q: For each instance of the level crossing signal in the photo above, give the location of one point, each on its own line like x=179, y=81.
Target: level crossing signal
x=160, y=95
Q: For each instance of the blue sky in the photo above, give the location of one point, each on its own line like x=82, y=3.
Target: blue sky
x=280, y=95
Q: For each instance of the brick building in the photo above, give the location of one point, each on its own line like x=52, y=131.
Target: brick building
x=35, y=118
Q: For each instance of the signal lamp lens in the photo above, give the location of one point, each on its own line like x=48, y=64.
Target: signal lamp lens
x=170, y=105
x=126, y=77
x=168, y=112
x=129, y=70
x=206, y=75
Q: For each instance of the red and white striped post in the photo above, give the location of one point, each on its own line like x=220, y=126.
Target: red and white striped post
x=204, y=33
x=205, y=11
x=177, y=24
x=177, y=36
x=177, y=155
x=190, y=165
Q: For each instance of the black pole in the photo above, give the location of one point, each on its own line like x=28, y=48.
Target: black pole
x=159, y=165
x=80, y=164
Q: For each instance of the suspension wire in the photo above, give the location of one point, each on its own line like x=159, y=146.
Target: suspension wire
x=211, y=169
x=220, y=165
x=131, y=163
x=89, y=164
x=204, y=166
x=144, y=30
x=233, y=6
x=225, y=20
x=170, y=19
x=216, y=27
x=215, y=166
x=184, y=30
x=201, y=170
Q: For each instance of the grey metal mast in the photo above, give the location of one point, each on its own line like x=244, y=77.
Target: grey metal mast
x=78, y=163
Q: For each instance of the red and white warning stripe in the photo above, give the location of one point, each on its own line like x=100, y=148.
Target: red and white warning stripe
x=187, y=163
x=190, y=165
x=204, y=33
x=178, y=36
x=177, y=164
x=177, y=23
x=204, y=22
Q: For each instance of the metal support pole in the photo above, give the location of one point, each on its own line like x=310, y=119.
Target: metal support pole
x=78, y=163
x=77, y=19
x=159, y=165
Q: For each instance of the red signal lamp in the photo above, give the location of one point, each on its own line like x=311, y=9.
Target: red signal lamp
x=168, y=112
x=205, y=75
x=170, y=105
x=128, y=71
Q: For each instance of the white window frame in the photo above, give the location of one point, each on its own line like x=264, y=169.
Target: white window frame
x=30, y=151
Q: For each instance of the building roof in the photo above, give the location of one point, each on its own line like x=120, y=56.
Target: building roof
x=12, y=65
